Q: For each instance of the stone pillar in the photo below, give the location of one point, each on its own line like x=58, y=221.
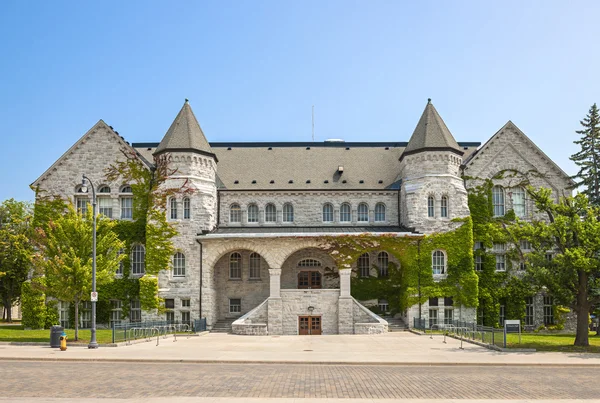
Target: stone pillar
x=275, y=304
x=345, y=274
x=345, y=303
x=275, y=276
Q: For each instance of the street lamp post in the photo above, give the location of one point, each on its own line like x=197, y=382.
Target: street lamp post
x=93, y=342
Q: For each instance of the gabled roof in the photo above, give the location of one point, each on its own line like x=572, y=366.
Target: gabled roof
x=431, y=133
x=185, y=134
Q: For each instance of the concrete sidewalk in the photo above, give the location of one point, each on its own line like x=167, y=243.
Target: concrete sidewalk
x=402, y=348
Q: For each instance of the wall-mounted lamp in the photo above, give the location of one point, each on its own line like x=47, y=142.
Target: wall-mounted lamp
x=341, y=169
x=311, y=308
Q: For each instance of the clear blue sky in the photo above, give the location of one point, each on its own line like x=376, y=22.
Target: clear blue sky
x=252, y=70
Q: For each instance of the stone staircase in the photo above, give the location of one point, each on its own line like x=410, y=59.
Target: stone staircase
x=222, y=326
x=396, y=324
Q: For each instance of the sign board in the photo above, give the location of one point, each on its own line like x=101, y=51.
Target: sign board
x=512, y=326
x=94, y=297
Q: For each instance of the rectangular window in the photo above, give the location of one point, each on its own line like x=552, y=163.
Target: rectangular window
x=170, y=317
x=525, y=245
x=185, y=317
x=477, y=245
x=383, y=305
x=433, y=301
x=105, y=206
x=529, y=311
x=86, y=315
x=173, y=207
x=82, y=204
x=433, y=317
x=448, y=316
x=448, y=301
x=135, y=312
x=430, y=207
x=235, y=305
x=115, y=314
x=169, y=303
x=126, y=208
x=185, y=303
x=478, y=262
x=186, y=209
x=500, y=263
x=522, y=266
x=63, y=313
x=548, y=311
x=549, y=257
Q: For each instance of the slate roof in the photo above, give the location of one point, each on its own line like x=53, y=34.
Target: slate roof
x=431, y=133
x=185, y=134
x=241, y=164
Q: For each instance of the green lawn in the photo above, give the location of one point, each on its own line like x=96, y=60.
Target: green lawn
x=17, y=333
x=553, y=342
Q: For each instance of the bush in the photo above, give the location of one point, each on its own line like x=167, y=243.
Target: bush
x=33, y=308
x=52, y=317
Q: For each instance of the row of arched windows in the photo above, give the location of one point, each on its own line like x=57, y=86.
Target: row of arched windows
x=138, y=262
x=235, y=266
x=517, y=195
x=345, y=213
x=174, y=211
x=105, y=202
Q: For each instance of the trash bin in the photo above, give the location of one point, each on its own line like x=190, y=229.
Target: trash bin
x=55, y=332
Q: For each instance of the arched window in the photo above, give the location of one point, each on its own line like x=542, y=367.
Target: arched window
x=235, y=213
x=363, y=212
x=254, y=265
x=438, y=262
x=444, y=207
x=138, y=260
x=252, y=213
x=288, y=212
x=345, y=213
x=364, y=265
x=380, y=212
x=126, y=203
x=235, y=266
x=498, y=201
x=309, y=263
x=179, y=265
x=270, y=213
x=126, y=189
x=430, y=206
x=104, y=189
x=327, y=212
x=518, y=202
x=173, y=208
x=187, y=214
x=382, y=263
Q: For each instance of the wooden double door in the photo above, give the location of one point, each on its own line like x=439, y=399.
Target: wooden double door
x=309, y=325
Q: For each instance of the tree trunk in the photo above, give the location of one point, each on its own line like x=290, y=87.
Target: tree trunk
x=582, y=334
x=76, y=319
x=7, y=314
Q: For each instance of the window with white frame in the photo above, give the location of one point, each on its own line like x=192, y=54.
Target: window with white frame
x=383, y=305
x=438, y=262
x=185, y=303
x=173, y=208
x=235, y=305
x=270, y=213
x=235, y=266
x=82, y=204
x=448, y=315
x=252, y=213
x=380, y=212
x=518, y=202
x=86, y=315
x=529, y=311
x=499, y=247
x=500, y=262
x=363, y=212
x=478, y=262
x=444, y=207
x=235, y=213
x=525, y=245
x=364, y=265
x=170, y=317
x=345, y=213
x=126, y=189
x=119, y=271
x=430, y=207
x=187, y=213
x=382, y=263
x=115, y=312
x=138, y=260
x=104, y=189
x=135, y=310
x=288, y=212
x=105, y=206
x=254, y=265
x=179, y=265
x=126, y=208
x=498, y=201
x=433, y=317
x=327, y=212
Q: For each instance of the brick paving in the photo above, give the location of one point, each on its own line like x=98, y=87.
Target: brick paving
x=139, y=380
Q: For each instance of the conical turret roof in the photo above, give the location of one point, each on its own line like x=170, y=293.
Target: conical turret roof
x=185, y=134
x=431, y=134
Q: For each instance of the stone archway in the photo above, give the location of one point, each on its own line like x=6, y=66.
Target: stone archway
x=309, y=260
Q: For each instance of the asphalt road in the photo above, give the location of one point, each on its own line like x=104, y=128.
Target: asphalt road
x=133, y=380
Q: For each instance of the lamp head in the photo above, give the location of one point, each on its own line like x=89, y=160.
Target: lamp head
x=83, y=188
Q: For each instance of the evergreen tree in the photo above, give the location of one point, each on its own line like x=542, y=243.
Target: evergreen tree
x=588, y=158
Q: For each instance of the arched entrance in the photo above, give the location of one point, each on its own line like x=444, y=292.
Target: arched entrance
x=309, y=268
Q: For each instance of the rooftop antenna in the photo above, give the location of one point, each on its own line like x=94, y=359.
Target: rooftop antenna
x=313, y=123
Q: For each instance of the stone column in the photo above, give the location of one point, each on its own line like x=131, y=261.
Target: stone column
x=345, y=303
x=275, y=277
x=275, y=304
x=345, y=274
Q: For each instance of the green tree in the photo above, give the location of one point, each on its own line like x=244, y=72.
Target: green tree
x=66, y=256
x=15, y=251
x=564, y=260
x=588, y=158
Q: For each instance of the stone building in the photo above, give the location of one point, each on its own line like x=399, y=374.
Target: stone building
x=250, y=227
